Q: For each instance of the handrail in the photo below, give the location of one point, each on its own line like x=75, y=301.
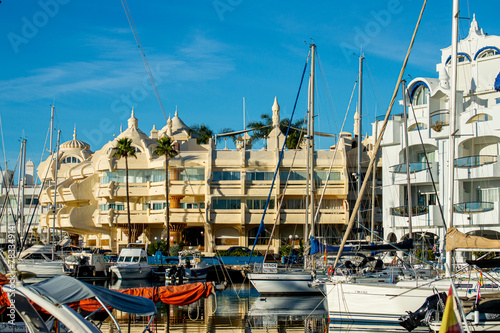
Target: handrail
x=474, y=161
x=473, y=207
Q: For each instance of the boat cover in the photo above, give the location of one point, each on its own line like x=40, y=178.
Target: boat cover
x=316, y=247
x=458, y=240
x=65, y=289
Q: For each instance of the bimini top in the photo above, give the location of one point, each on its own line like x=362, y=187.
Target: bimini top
x=65, y=289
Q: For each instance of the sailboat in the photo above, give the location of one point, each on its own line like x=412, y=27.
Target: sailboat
x=375, y=303
x=270, y=280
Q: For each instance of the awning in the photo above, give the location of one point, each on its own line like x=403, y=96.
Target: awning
x=65, y=289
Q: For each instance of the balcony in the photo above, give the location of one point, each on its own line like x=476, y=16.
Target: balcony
x=414, y=167
x=404, y=211
x=431, y=217
x=474, y=161
x=487, y=217
x=473, y=207
x=419, y=173
x=480, y=167
x=439, y=119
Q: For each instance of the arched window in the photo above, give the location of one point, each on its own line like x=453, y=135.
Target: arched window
x=70, y=159
x=417, y=126
x=479, y=118
x=485, y=52
x=461, y=57
x=419, y=96
x=263, y=238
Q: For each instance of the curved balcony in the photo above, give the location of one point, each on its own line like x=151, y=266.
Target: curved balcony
x=404, y=211
x=474, y=161
x=473, y=207
x=439, y=118
x=414, y=167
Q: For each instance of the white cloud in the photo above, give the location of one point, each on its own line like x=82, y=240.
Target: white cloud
x=118, y=66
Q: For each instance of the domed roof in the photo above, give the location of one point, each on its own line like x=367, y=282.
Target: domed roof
x=175, y=128
x=74, y=144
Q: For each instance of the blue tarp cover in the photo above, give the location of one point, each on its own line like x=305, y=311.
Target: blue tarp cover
x=316, y=247
x=65, y=289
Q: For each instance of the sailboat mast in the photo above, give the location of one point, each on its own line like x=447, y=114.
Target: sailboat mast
x=51, y=149
x=311, y=141
x=407, y=155
x=55, y=190
x=360, y=108
x=453, y=107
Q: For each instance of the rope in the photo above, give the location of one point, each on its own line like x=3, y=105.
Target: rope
x=379, y=139
x=143, y=55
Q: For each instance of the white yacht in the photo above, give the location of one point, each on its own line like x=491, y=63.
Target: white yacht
x=132, y=263
x=41, y=260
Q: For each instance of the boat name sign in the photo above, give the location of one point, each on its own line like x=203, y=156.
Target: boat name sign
x=269, y=268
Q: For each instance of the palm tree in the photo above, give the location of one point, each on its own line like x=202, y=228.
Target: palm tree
x=166, y=148
x=224, y=131
x=203, y=132
x=124, y=149
x=264, y=127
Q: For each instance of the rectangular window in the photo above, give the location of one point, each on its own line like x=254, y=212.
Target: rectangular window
x=193, y=205
x=31, y=201
x=488, y=194
x=294, y=204
x=321, y=175
x=294, y=175
x=259, y=175
x=226, y=175
x=259, y=204
x=226, y=204
x=158, y=205
x=430, y=156
x=497, y=100
x=331, y=204
x=192, y=174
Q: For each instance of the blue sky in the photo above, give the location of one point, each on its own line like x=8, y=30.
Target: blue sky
x=205, y=56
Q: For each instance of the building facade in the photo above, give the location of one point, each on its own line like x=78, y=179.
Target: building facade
x=216, y=196
x=19, y=202
x=476, y=202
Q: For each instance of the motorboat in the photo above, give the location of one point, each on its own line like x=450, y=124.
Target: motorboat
x=132, y=263
x=87, y=264
x=192, y=266
x=43, y=260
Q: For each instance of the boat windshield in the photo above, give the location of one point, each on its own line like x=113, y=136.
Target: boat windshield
x=121, y=259
x=128, y=259
x=135, y=259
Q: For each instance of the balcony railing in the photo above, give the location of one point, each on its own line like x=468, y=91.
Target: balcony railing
x=440, y=118
x=473, y=207
x=404, y=211
x=414, y=167
x=474, y=161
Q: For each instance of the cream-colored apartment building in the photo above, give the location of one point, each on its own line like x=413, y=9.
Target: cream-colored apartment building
x=216, y=196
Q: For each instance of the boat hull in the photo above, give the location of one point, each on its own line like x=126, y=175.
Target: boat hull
x=284, y=283
x=131, y=272
x=45, y=269
x=372, y=303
